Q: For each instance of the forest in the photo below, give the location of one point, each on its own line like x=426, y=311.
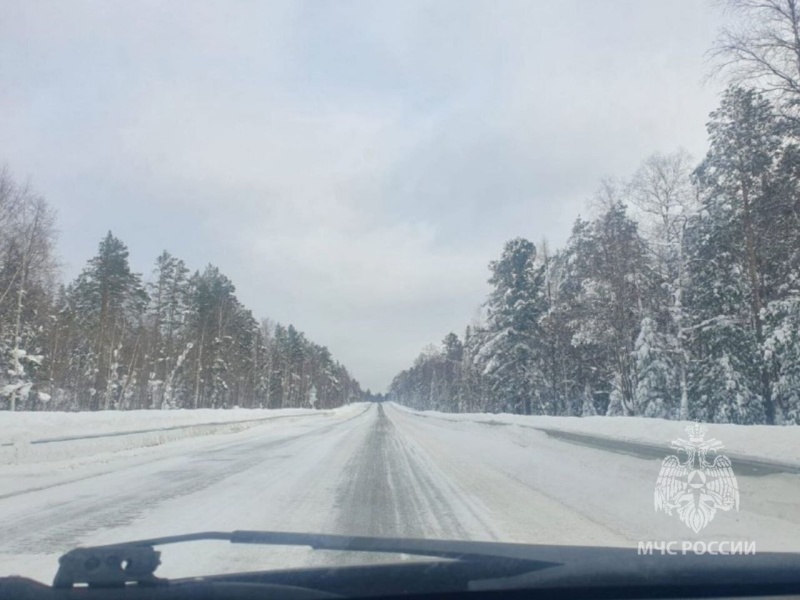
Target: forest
x=679, y=295
x=113, y=340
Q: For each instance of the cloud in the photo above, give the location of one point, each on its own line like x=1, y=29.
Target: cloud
x=352, y=166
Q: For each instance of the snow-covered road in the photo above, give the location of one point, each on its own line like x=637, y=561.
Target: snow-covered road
x=367, y=470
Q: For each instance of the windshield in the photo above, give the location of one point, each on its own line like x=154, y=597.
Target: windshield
x=481, y=271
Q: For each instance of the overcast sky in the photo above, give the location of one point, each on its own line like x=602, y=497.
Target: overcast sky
x=352, y=166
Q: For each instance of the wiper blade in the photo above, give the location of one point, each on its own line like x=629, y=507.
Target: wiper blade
x=136, y=561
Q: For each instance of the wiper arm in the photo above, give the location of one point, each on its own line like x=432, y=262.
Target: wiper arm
x=137, y=561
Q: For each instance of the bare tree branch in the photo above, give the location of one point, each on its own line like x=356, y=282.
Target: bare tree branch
x=763, y=50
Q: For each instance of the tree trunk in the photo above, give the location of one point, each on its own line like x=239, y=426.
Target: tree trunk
x=755, y=300
x=199, y=369
x=18, y=334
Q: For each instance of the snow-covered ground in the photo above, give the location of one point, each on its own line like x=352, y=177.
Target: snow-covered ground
x=364, y=469
x=764, y=442
x=34, y=437
x=48, y=425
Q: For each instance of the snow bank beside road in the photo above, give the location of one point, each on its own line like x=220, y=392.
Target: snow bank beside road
x=27, y=437
x=775, y=444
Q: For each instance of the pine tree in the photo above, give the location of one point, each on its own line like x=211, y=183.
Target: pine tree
x=779, y=217
x=658, y=386
x=558, y=387
x=725, y=381
x=168, y=306
x=108, y=299
x=212, y=304
x=783, y=354
x=473, y=388
x=746, y=141
x=450, y=360
x=512, y=350
x=606, y=289
x=573, y=319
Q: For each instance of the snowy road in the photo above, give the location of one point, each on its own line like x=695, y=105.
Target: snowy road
x=371, y=470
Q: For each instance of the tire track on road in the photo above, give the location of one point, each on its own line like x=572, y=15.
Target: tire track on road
x=64, y=515
x=394, y=489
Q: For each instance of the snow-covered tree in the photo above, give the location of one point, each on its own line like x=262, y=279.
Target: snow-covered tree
x=783, y=354
x=725, y=384
x=658, y=383
x=512, y=348
x=108, y=300
x=27, y=267
x=665, y=200
x=735, y=175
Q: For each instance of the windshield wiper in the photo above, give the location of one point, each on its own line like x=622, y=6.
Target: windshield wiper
x=136, y=562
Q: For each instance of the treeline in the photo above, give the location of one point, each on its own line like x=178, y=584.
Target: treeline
x=109, y=340
x=690, y=310
x=679, y=298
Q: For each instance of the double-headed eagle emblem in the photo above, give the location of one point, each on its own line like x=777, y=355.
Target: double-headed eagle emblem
x=696, y=481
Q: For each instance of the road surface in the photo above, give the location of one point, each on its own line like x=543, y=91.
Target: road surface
x=378, y=470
